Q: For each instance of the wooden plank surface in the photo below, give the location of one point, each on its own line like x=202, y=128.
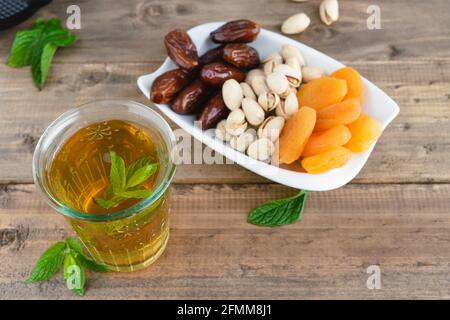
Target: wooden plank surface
x=395, y=214
x=112, y=31
x=215, y=253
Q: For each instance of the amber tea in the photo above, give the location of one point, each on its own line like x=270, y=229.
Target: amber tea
x=83, y=176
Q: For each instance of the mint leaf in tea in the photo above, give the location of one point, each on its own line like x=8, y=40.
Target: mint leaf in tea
x=106, y=167
x=126, y=183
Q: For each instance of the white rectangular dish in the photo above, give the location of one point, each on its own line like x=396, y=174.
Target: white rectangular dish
x=376, y=104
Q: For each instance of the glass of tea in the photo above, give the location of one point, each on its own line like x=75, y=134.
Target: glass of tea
x=107, y=167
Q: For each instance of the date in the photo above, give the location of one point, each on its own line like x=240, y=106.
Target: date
x=210, y=56
x=214, y=111
x=242, y=31
x=181, y=49
x=167, y=85
x=216, y=73
x=241, y=56
x=191, y=98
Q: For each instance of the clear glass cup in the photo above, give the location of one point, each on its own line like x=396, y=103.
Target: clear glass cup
x=124, y=240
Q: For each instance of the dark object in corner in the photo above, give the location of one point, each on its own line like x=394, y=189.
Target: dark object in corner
x=13, y=12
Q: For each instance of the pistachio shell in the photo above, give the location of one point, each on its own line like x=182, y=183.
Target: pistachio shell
x=293, y=76
x=235, y=123
x=252, y=73
x=278, y=83
x=268, y=101
x=271, y=128
x=247, y=91
x=269, y=67
x=232, y=94
x=311, y=73
x=329, y=11
x=253, y=112
x=294, y=64
x=221, y=132
x=241, y=143
x=287, y=107
x=261, y=149
x=275, y=57
x=295, y=24
x=289, y=51
x=259, y=84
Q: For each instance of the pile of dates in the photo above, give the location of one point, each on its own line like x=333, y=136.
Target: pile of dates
x=195, y=87
x=229, y=88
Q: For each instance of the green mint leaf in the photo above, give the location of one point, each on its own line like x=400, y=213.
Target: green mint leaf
x=49, y=263
x=77, y=252
x=37, y=46
x=137, y=164
x=279, y=212
x=138, y=194
x=117, y=173
x=141, y=175
x=22, y=48
x=74, y=274
x=75, y=245
x=69, y=260
x=39, y=69
x=108, y=204
x=109, y=192
x=91, y=264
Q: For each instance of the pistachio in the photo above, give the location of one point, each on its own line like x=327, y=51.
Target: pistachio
x=294, y=64
x=221, y=132
x=329, y=11
x=271, y=62
x=289, y=51
x=259, y=84
x=293, y=90
x=311, y=73
x=247, y=91
x=278, y=83
x=253, y=112
x=242, y=142
x=268, y=101
x=274, y=56
x=295, y=24
x=269, y=66
x=287, y=107
x=293, y=76
x=271, y=128
x=261, y=149
x=252, y=73
x=232, y=94
x=235, y=123
x=275, y=159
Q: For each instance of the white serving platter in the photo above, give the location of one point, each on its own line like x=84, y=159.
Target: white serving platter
x=376, y=103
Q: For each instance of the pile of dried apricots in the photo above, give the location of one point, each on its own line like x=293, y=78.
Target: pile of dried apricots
x=329, y=124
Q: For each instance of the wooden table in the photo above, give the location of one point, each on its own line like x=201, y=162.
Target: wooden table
x=395, y=214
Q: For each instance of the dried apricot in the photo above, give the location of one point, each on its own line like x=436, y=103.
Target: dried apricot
x=295, y=134
x=364, y=131
x=326, y=140
x=332, y=159
x=355, y=86
x=322, y=92
x=344, y=112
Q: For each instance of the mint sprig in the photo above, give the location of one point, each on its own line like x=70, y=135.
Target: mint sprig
x=68, y=254
x=279, y=212
x=126, y=182
x=37, y=46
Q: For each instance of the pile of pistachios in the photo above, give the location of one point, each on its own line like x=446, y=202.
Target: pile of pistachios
x=261, y=104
